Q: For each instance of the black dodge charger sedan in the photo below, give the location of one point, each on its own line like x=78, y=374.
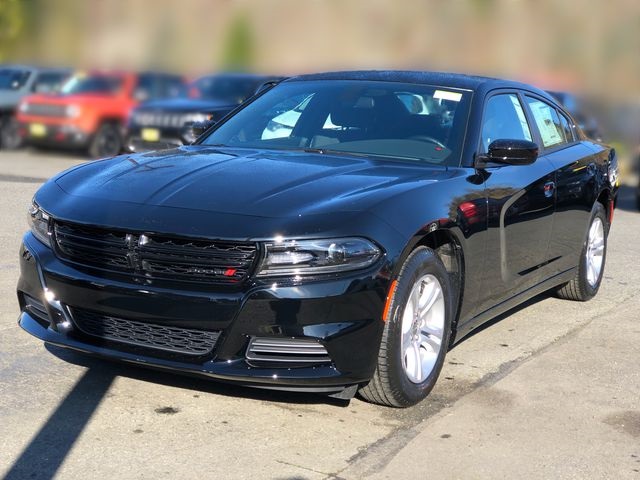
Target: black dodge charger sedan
x=383, y=218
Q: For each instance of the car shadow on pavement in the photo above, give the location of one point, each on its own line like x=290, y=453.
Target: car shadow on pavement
x=532, y=301
x=188, y=382
x=626, y=199
x=48, y=448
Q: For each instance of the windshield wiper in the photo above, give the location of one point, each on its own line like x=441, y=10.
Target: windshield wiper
x=329, y=151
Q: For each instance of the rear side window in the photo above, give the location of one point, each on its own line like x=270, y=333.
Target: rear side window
x=548, y=122
x=504, y=119
x=566, y=127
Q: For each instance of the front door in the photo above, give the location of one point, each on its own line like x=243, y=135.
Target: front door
x=520, y=206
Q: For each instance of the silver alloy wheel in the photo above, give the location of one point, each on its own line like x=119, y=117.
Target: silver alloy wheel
x=422, y=328
x=595, y=251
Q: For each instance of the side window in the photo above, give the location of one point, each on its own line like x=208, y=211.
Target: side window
x=48, y=82
x=566, y=127
x=548, y=122
x=504, y=118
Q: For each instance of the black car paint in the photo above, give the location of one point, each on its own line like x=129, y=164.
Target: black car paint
x=250, y=195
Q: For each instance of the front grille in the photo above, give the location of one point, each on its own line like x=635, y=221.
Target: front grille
x=287, y=350
x=154, y=257
x=45, y=110
x=166, y=120
x=131, y=332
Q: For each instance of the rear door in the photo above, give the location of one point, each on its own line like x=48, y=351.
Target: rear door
x=520, y=204
x=575, y=169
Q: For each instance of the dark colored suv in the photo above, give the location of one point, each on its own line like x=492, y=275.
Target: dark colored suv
x=167, y=123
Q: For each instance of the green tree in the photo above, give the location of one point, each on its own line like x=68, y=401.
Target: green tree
x=11, y=25
x=239, y=45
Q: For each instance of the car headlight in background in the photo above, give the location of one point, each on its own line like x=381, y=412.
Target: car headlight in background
x=23, y=107
x=309, y=257
x=39, y=223
x=73, y=111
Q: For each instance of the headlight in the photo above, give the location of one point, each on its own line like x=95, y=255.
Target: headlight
x=309, y=257
x=613, y=171
x=24, y=106
x=73, y=111
x=39, y=223
x=198, y=117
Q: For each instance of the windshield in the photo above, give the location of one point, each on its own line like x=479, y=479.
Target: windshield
x=12, y=79
x=92, y=84
x=382, y=119
x=229, y=88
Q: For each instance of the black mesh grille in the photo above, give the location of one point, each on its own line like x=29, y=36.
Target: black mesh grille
x=153, y=257
x=131, y=332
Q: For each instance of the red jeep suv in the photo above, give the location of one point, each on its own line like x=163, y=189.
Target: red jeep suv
x=91, y=110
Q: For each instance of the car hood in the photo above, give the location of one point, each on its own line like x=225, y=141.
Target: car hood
x=231, y=193
x=186, y=105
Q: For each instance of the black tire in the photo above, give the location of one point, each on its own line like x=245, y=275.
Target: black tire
x=10, y=138
x=390, y=384
x=579, y=289
x=106, y=142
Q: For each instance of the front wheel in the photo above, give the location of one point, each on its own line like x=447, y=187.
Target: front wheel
x=416, y=333
x=10, y=134
x=107, y=142
x=588, y=278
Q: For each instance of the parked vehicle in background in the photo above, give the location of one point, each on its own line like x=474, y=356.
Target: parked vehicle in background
x=17, y=81
x=638, y=187
x=91, y=110
x=576, y=107
x=167, y=123
x=348, y=255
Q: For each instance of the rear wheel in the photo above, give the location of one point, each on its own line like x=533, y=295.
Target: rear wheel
x=588, y=278
x=10, y=134
x=416, y=333
x=107, y=141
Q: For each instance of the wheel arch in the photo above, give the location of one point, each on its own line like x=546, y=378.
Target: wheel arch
x=605, y=198
x=448, y=247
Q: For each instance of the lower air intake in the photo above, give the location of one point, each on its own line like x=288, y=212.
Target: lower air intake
x=142, y=334
x=287, y=350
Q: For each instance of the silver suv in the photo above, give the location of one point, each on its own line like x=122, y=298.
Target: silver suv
x=16, y=81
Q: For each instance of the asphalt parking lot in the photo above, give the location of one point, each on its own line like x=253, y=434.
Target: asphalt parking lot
x=550, y=390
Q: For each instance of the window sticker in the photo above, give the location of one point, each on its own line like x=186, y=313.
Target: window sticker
x=446, y=95
x=544, y=119
x=521, y=117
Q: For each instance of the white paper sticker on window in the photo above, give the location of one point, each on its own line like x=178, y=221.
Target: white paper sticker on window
x=445, y=95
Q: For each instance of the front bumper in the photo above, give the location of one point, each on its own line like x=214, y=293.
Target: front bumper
x=343, y=314
x=142, y=139
x=63, y=135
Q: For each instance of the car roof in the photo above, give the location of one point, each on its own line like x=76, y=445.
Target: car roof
x=444, y=79
x=34, y=68
x=239, y=76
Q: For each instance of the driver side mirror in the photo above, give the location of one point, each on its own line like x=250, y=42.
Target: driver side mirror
x=509, y=152
x=198, y=128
